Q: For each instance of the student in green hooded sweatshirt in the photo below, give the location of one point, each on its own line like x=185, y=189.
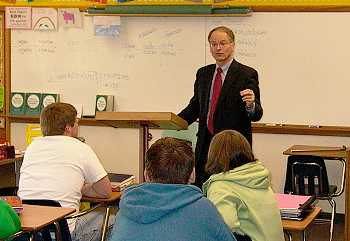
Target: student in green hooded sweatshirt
x=9, y=221
x=240, y=188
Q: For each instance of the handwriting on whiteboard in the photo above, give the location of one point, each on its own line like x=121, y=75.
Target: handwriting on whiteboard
x=102, y=79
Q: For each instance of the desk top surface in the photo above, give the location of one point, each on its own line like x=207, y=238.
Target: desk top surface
x=295, y=225
x=322, y=151
x=155, y=120
x=11, y=160
x=115, y=196
x=35, y=217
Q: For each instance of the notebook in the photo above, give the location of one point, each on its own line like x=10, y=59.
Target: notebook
x=120, y=181
x=290, y=201
x=293, y=206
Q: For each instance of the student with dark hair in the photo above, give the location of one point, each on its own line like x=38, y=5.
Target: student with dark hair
x=166, y=207
x=239, y=186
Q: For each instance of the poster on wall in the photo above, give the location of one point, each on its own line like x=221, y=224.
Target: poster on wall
x=44, y=19
x=18, y=17
x=70, y=18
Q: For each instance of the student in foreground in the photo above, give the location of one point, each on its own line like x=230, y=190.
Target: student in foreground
x=239, y=186
x=166, y=207
x=60, y=167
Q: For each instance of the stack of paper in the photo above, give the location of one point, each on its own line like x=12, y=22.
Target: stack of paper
x=120, y=181
x=293, y=206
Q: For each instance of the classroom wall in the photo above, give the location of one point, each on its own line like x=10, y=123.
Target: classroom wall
x=301, y=58
x=118, y=151
x=302, y=61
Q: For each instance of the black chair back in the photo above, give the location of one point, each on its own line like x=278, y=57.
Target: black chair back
x=306, y=175
x=8, y=191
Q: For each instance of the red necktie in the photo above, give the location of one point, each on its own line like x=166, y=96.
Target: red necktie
x=214, y=99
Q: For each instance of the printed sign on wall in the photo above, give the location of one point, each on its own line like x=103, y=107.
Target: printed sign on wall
x=18, y=17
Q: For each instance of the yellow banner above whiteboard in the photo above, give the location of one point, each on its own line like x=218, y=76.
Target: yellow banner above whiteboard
x=286, y=3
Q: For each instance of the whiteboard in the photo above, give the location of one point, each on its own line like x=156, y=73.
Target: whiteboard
x=301, y=58
x=150, y=66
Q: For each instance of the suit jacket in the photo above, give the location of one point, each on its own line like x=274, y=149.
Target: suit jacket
x=230, y=111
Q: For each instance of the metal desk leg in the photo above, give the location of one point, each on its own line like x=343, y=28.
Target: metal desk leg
x=32, y=236
x=105, y=223
x=304, y=235
x=58, y=231
x=289, y=235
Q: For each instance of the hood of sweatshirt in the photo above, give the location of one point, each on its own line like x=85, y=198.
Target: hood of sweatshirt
x=253, y=175
x=149, y=202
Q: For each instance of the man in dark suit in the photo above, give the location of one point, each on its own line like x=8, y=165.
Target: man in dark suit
x=226, y=96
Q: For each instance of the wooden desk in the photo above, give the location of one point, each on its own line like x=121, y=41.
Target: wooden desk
x=295, y=225
x=108, y=203
x=144, y=121
x=115, y=197
x=34, y=217
x=330, y=153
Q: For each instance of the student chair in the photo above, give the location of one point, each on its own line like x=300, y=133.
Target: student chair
x=8, y=191
x=307, y=175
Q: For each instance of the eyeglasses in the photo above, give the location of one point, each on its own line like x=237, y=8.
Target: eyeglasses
x=220, y=44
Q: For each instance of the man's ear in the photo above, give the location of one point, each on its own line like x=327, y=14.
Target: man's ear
x=192, y=178
x=67, y=130
x=145, y=174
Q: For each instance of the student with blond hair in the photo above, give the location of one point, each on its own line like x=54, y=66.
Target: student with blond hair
x=240, y=188
x=60, y=167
